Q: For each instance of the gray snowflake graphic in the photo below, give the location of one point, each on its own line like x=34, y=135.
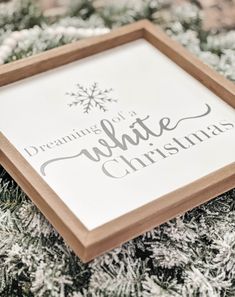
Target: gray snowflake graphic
x=91, y=97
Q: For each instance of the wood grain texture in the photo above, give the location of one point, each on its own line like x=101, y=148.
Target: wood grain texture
x=53, y=58
x=88, y=244
x=59, y=215
x=217, y=83
x=159, y=211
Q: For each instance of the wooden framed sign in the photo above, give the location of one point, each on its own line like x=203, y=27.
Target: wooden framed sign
x=113, y=135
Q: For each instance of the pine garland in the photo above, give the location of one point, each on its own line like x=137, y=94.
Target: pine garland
x=192, y=255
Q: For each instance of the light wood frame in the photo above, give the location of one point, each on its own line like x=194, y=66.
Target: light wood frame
x=89, y=244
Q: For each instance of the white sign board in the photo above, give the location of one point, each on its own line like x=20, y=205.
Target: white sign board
x=117, y=130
